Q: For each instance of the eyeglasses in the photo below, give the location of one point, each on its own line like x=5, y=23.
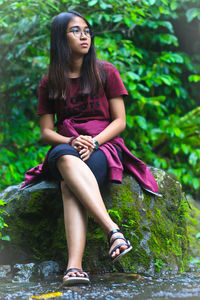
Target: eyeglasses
x=77, y=32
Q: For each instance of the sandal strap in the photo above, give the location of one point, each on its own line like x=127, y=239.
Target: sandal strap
x=118, y=246
x=76, y=270
x=116, y=238
x=112, y=232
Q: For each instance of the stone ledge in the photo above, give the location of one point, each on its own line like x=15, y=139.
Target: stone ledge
x=156, y=227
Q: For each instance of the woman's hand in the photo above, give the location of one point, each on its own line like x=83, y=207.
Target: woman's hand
x=85, y=153
x=84, y=145
x=83, y=141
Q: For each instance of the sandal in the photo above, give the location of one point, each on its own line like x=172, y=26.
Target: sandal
x=74, y=280
x=127, y=243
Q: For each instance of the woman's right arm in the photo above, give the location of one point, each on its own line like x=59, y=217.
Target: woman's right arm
x=50, y=137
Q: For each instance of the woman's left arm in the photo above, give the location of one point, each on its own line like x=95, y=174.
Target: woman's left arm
x=117, y=125
x=118, y=121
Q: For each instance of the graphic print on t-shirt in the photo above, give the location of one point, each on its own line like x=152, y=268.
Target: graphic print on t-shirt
x=80, y=105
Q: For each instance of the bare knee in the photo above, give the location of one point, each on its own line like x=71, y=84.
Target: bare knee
x=64, y=160
x=67, y=162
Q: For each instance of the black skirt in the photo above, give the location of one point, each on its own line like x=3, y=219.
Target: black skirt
x=97, y=162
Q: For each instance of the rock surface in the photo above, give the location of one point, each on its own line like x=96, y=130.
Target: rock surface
x=23, y=272
x=193, y=227
x=31, y=271
x=4, y=270
x=156, y=227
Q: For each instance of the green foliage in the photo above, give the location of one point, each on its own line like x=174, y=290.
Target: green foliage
x=159, y=264
x=195, y=261
x=115, y=214
x=140, y=38
x=21, y=152
x=3, y=225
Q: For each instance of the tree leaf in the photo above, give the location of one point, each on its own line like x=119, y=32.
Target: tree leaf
x=194, y=78
x=104, y=5
x=92, y=2
x=193, y=158
x=133, y=76
x=185, y=148
x=117, y=18
x=196, y=183
x=141, y=122
x=192, y=13
x=6, y=238
x=166, y=79
x=168, y=39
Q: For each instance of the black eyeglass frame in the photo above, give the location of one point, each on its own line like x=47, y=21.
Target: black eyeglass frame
x=89, y=35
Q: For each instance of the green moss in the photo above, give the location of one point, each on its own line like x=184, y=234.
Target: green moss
x=34, y=204
x=193, y=226
x=169, y=237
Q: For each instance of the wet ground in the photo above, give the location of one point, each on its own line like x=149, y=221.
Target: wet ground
x=109, y=286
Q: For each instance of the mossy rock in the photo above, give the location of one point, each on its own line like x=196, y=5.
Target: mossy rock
x=156, y=227
x=193, y=226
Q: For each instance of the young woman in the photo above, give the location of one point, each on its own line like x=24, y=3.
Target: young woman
x=86, y=95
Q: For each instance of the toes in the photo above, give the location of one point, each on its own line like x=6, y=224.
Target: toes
x=118, y=241
x=66, y=276
x=116, y=253
x=119, y=250
x=74, y=274
x=113, y=254
x=123, y=247
x=70, y=274
x=80, y=274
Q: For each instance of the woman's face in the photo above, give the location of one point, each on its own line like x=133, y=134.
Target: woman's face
x=78, y=36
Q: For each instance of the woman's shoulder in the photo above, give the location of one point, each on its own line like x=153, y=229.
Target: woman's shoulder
x=107, y=65
x=107, y=70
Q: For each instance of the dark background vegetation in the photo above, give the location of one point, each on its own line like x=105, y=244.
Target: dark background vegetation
x=156, y=47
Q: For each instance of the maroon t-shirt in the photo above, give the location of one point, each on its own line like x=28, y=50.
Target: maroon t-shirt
x=82, y=108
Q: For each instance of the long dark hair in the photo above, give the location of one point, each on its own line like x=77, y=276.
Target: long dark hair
x=91, y=77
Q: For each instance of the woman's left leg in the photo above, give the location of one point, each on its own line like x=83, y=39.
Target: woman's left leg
x=82, y=182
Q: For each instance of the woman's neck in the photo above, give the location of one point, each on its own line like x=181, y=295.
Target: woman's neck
x=75, y=66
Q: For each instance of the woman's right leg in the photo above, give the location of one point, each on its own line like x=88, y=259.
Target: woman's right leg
x=75, y=219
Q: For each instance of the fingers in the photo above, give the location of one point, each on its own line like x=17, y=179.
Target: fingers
x=85, y=153
x=84, y=145
x=83, y=141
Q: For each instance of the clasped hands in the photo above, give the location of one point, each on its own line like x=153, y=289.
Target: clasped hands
x=84, y=144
